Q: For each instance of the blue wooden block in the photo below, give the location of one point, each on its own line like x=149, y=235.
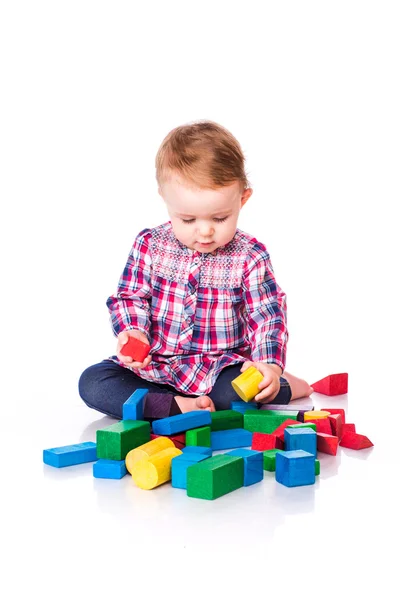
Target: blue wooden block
x=295, y=468
x=241, y=406
x=109, y=469
x=253, y=465
x=180, y=423
x=180, y=465
x=65, y=456
x=230, y=438
x=133, y=408
x=198, y=449
x=301, y=438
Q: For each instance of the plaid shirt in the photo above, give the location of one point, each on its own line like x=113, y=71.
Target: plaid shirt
x=201, y=311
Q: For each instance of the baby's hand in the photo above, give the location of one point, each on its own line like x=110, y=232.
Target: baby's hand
x=127, y=360
x=270, y=385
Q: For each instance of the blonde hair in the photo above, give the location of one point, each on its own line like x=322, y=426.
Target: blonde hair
x=203, y=153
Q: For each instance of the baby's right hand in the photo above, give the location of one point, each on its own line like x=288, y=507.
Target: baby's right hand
x=127, y=360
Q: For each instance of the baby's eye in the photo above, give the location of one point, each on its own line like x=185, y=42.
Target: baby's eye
x=220, y=220
x=187, y=220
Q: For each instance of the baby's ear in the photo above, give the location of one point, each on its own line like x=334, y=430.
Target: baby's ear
x=245, y=196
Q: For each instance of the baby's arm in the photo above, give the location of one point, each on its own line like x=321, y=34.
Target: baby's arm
x=130, y=307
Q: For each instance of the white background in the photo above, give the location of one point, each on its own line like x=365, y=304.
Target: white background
x=88, y=92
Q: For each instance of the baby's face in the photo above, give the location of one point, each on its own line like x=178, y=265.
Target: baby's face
x=203, y=220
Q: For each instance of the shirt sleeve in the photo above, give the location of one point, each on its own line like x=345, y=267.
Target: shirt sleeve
x=130, y=307
x=266, y=309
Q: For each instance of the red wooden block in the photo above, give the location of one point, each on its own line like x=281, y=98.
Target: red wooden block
x=336, y=411
x=280, y=431
x=136, y=349
x=332, y=385
x=179, y=440
x=322, y=425
x=355, y=441
x=336, y=422
x=327, y=443
x=266, y=441
x=348, y=427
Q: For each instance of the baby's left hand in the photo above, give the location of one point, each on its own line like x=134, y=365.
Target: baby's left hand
x=270, y=385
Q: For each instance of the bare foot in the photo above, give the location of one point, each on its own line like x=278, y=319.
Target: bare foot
x=198, y=403
x=300, y=388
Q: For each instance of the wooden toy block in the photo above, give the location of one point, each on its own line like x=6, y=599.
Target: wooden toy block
x=179, y=440
x=280, y=431
x=253, y=465
x=199, y=437
x=336, y=422
x=157, y=405
x=115, y=441
x=226, y=419
x=286, y=407
x=66, y=456
x=327, y=443
x=149, y=473
x=136, y=349
x=180, y=465
x=246, y=385
x=265, y=441
x=197, y=449
x=109, y=469
x=322, y=425
x=336, y=411
x=355, y=441
x=264, y=421
x=241, y=406
x=332, y=385
x=269, y=462
x=301, y=439
x=230, y=438
x=146, y=450
x=132, y=409
x=295, y=468
x=313, y=415
x=300, y=415
x=308, y=424
x=180, y=423
x=348, y=428
x=216, y=476
x=317, y=467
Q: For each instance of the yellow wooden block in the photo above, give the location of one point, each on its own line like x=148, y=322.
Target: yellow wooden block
x=147, y=450
x=316, y=414
x=246, y=385
x=148, y=473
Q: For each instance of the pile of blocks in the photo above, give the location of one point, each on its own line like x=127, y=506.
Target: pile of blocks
x=179, y=449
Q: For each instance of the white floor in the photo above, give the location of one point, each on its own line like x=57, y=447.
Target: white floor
x=69, y=534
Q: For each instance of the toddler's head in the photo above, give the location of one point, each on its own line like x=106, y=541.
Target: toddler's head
x=201, y=177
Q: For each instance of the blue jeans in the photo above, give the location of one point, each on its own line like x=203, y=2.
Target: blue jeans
x=106, y=386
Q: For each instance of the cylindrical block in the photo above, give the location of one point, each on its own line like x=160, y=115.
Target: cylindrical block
x=246, y=385
x=316, y=414
x=150, y=472
x=147, y=450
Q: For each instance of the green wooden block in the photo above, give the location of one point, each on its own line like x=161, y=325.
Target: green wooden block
x=114, y=442
x=317, y=467
x=269, y=459
x=201, y=436
x=263, y=421
x=310, y=425
x=226, y=419
x=215, y=477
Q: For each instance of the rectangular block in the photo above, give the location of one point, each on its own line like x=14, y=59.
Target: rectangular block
x=269, y=459
x=179, y=423
x=253, y=465
x=180, y=465
x=308, y=424
x=230, y=438
x=242, y=407
x=295, y=468
x=226, y=419
x=66, y=456
x=200, y=449
x=199, y=437
x=264, y=421
x=132, y=409
x=115, y=441
x=109, y=469
x=215, y=477
x=287, y=407
x=317, y=467
x=265, y=441
x=303, y=438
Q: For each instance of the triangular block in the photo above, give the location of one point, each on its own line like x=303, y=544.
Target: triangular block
x=327, y=443
x=355, y=441
x=332, y=385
